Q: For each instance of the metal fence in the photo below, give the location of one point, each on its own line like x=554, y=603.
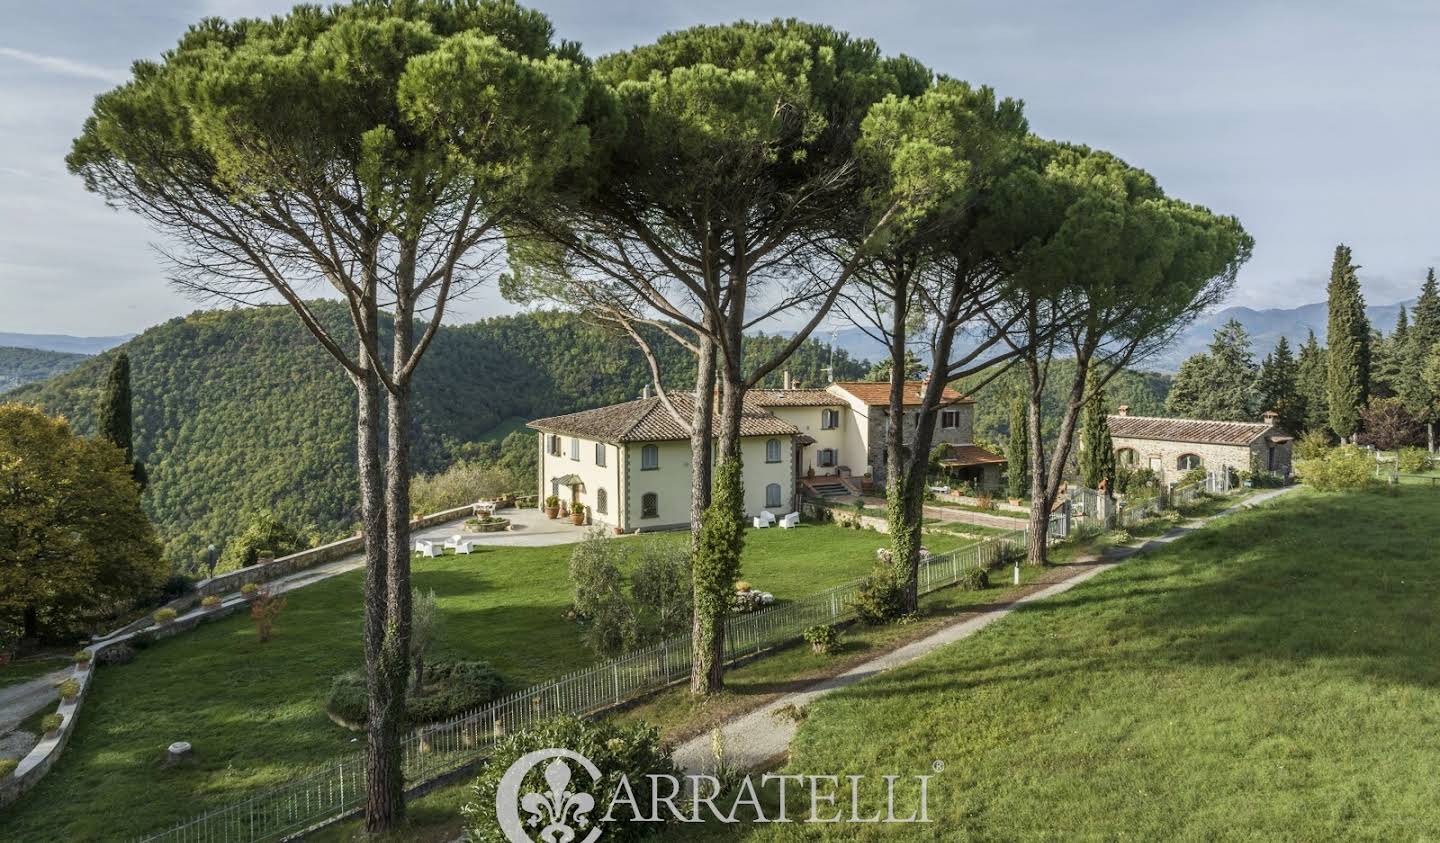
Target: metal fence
x=338, y=788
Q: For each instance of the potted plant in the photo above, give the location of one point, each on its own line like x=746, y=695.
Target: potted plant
x=552, y=506
x=249, y=590
x=50, y=724
x=577, y=515
x=210, y=602
x=82, y=659
x=164, y=616
x=68, y=689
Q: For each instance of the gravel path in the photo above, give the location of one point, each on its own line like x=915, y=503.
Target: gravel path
x=753, y=740
x=23, y=699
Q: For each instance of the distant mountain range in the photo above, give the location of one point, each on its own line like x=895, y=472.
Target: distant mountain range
x=1265, y=327
x=19, y=366
x=62, y=342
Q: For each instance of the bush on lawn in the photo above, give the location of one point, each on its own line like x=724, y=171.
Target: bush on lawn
x=1343, y=469
x=1313, y=445
x=81, y=658
x=118, y=654
x=451, y=689
x=1413, y=460
x=7, y=766
x=881, y=598
x=633, y=751
x=975, y=579
x=823, y=639
x=51, y=722
x=210, y=601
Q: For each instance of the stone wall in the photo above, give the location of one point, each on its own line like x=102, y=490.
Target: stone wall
x=964, y=434
x=1164, y=456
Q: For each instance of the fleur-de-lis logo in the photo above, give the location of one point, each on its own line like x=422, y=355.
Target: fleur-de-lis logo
x=554, y=807
x=559, y=814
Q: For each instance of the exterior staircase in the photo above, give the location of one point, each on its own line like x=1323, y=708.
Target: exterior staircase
x=830, y=488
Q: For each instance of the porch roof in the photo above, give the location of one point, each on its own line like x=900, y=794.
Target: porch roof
x=962, y=456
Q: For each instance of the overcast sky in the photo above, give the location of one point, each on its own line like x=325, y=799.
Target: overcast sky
x=1314, y=122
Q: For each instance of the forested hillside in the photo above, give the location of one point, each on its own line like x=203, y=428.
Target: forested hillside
x=19, y=366
x=1144, y=391
x=239, y=411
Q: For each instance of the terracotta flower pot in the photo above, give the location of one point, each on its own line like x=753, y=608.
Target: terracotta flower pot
x=552, y=511
x=1014, y=501
x=577, y=518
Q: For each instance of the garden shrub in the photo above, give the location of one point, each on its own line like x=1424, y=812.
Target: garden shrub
x=7, y=766
x=661, y=586
x=451, y=689
x=633, y=751
x=1346, y=468
x=974, y=579
x=881, y=598
x=51, y=722
x=823, y=638
x=210, y=601
x=81, y=657
x=249, y=590
x=68, y=689
x=1312, y=445
x=1413, y=460
x=164, y=616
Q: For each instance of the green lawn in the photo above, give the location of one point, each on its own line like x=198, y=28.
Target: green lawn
x=255, y=712
x=1272, y=677
x=23, y=670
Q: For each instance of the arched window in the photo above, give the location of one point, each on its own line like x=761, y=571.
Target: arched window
x=649, y=458
x=1126, y=456
x=772, y=450
x=1188, y=461
x=602, y=501
x=649, y=505
x=772, y=495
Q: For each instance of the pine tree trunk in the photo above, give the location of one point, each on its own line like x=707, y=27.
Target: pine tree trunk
x=702, y=425
x=1430, y=435
x=1038, y=532
x=708, y=671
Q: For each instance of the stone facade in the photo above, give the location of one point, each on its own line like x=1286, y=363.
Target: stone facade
x=1173, y=447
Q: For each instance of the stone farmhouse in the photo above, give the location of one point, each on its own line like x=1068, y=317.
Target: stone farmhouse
x=1173, y=447
x=630, y=462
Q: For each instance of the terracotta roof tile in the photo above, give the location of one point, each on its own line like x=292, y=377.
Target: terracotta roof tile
x=1198, y=431
x=647, y=420
x=877, y=393
x=963, y=455
x=795, y=398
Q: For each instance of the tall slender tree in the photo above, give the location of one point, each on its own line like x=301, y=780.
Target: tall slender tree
x=1421, y=340
x=1097, y=450
x=1312, y=386
x=1348, y=369
x=1017, y=450
x=323, y=150
x=114, y=416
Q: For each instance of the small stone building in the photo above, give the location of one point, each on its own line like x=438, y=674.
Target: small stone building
x=1173, y=447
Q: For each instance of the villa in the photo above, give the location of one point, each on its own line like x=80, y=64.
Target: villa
x=1173, y=447
x=630, y=462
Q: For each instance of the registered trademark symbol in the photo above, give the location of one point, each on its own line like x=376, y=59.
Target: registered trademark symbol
x=938, y=766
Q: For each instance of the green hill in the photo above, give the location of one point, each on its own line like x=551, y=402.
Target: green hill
x=19, y=366
x=240, y=410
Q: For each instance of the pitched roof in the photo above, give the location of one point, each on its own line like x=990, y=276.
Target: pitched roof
x=647, y=420
x=1198, y=431
x=877, y=393
x=795, y=398
x=963, y=455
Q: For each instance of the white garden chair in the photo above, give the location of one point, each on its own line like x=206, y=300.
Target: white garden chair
x=790, y=521
x=428, y=549
x=760, y=523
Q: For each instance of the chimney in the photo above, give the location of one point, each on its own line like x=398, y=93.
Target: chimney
x=1271, y=417
x=1122, y=410
x=787, y=379
x=645, y=393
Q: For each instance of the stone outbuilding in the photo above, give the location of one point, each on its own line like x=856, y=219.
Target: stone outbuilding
x=1173, y=447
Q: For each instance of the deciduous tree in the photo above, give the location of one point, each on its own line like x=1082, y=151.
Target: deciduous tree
x=74, y=542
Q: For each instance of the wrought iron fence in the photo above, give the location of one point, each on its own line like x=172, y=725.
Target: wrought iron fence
x=338, y=788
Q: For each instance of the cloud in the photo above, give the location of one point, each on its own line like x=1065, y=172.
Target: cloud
x=59, y=64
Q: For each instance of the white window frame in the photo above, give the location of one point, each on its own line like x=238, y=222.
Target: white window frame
x=650, y=458
x=829, y=419
x=575, y=448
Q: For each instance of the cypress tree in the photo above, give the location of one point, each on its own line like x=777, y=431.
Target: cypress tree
x=1311, y=386
x=1017, y=454
x=113, y=416
x=1421, y=340
x=1348, y=371
x=1097, y=450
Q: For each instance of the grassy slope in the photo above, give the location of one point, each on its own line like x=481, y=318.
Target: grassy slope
x=255, y=712
x=1271, y=678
